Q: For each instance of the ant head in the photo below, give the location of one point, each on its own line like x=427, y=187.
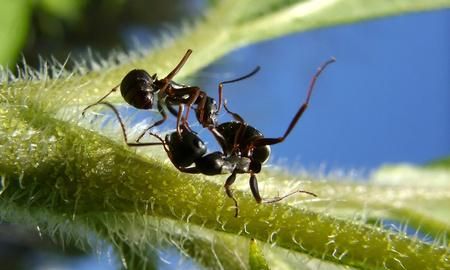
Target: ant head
x=137, y=88
x=185, y=148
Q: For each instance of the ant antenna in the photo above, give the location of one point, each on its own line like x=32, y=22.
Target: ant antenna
x=100, y=100
x=162, y=142
x=172, y=74
x=240, y=131
x=236, y=116
x=253, y=72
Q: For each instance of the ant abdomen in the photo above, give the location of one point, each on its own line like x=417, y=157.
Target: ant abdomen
x=137, y=89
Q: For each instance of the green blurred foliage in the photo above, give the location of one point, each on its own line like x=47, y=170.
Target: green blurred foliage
x=55, y=28
x=443, y=163
x=14, y=25
x=69, y=10
x=256, y=257
x=23, y=23
x=16, y=18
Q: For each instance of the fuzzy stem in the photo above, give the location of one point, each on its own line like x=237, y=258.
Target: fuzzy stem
x=129, y=183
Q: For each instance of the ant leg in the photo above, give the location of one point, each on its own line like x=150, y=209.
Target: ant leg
x=219, y=138
x=236, y=116
x=171, y=109
x=192, y=170
x=119, y=118
x=193, y=92
x=304, y=106
x=253, y=182
x=100, y=100
x=253, y=72
x=242, y=127
x=228, y=183
x=175, y=112
x=157, y=123
x=122, y=126
x=201, y=108
x=179, y=116
x=255, y=191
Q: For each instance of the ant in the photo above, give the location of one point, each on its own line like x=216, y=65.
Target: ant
x=245, y=149
x=138, y=89
x=189, y=149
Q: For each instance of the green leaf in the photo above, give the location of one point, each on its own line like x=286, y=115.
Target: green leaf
x=73, y=172
x=405, y=174
x=443, y=163
x=14, y=20
x=256, y=257
x=69, y=10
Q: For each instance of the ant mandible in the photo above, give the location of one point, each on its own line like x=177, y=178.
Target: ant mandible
x=138, y=89
x=244, y=149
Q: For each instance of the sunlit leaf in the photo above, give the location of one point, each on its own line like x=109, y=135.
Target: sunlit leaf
x=14, y=20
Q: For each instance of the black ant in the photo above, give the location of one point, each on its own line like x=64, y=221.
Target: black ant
x=188, y=149
x=138, y=89
x=244, y=148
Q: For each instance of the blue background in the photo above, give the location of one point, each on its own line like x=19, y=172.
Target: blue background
x=385, y=100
